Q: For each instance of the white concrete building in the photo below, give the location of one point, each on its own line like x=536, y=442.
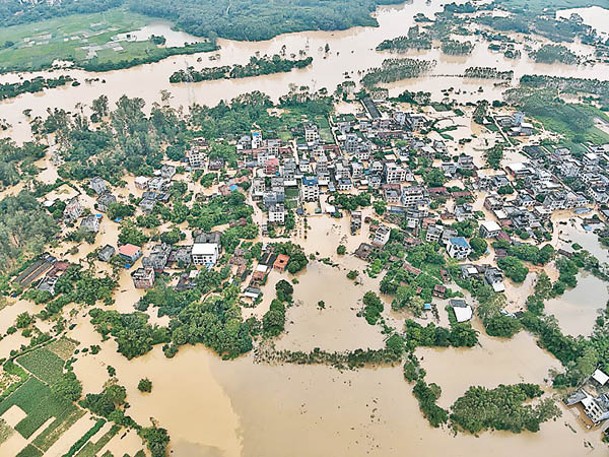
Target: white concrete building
x=458, y=248
x=205, y=254
x=394, y=174
x=277, y=214
x=309, y=190
x=197, y=157
x=489, y=229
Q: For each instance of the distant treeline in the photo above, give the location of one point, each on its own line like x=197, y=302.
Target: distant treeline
x=257, y=66
x=457, y=48
x=397, y=69
x=592, y=87
x=38, y=84
x=550, y=53
x=15, y=12
x=234, y=19
x=488, y=73
x=417, y=39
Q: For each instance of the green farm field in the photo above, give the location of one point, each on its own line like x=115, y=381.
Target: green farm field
x=35, y=46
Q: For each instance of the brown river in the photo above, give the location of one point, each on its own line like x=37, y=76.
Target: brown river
x=351, y=53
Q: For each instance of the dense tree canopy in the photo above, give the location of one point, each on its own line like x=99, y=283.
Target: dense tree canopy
x=25, y=228
x=502, y=408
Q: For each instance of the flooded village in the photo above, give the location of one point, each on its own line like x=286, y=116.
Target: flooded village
x=394, y=249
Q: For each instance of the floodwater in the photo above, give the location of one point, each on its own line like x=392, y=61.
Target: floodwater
x=351, y=53
x=163, y=28
x=215, y=408
x=494, y=361
x=577, y=309
x=336, y=327
x=241, y=408
x=594, y=16
x=574, y=232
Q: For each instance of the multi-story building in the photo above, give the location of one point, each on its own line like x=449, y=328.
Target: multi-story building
x=311, y=134
x=344, y=184
x=258, y=187
x=434, y=234
x=394, y=174
x=381, y=236
x=351, y=143
x=197, y=155
x=309, y=190
x=413, y=196
x=458, y=248
x=277, y=214
x=489, y=229
x=357, y=170
x=206, y=249
x=73, y=210
x=143, y=278
x=98, y=185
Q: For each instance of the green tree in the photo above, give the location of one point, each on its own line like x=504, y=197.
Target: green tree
x=284, y=290
x=513, y=268
x=273, y=321
x=145, y=385
x=157, y=440
x=68, y=387
x=373, y=307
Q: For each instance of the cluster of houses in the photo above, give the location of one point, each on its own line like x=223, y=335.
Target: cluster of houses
x=203, y=252
x=311, y=167
x=155, y=189
x=269, y=261
x=43, y=273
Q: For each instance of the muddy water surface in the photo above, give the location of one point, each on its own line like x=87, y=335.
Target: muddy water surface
x=577, y=309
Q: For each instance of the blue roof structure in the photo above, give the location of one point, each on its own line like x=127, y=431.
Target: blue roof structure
x=309, y=181
x=459, y=241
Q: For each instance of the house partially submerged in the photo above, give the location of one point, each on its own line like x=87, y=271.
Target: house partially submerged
x=143, y=278
x=463, y=312
x=593, y=398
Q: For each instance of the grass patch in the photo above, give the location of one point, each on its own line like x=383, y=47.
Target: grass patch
x=63, y=347
x=30, y=451
x=36, y=46
x=86, y=437
x=43, y=364
x=538, y=6
x=11, y=377
x=592, y=134
x=39, y=403
x=440, y=107
x=57, y=428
